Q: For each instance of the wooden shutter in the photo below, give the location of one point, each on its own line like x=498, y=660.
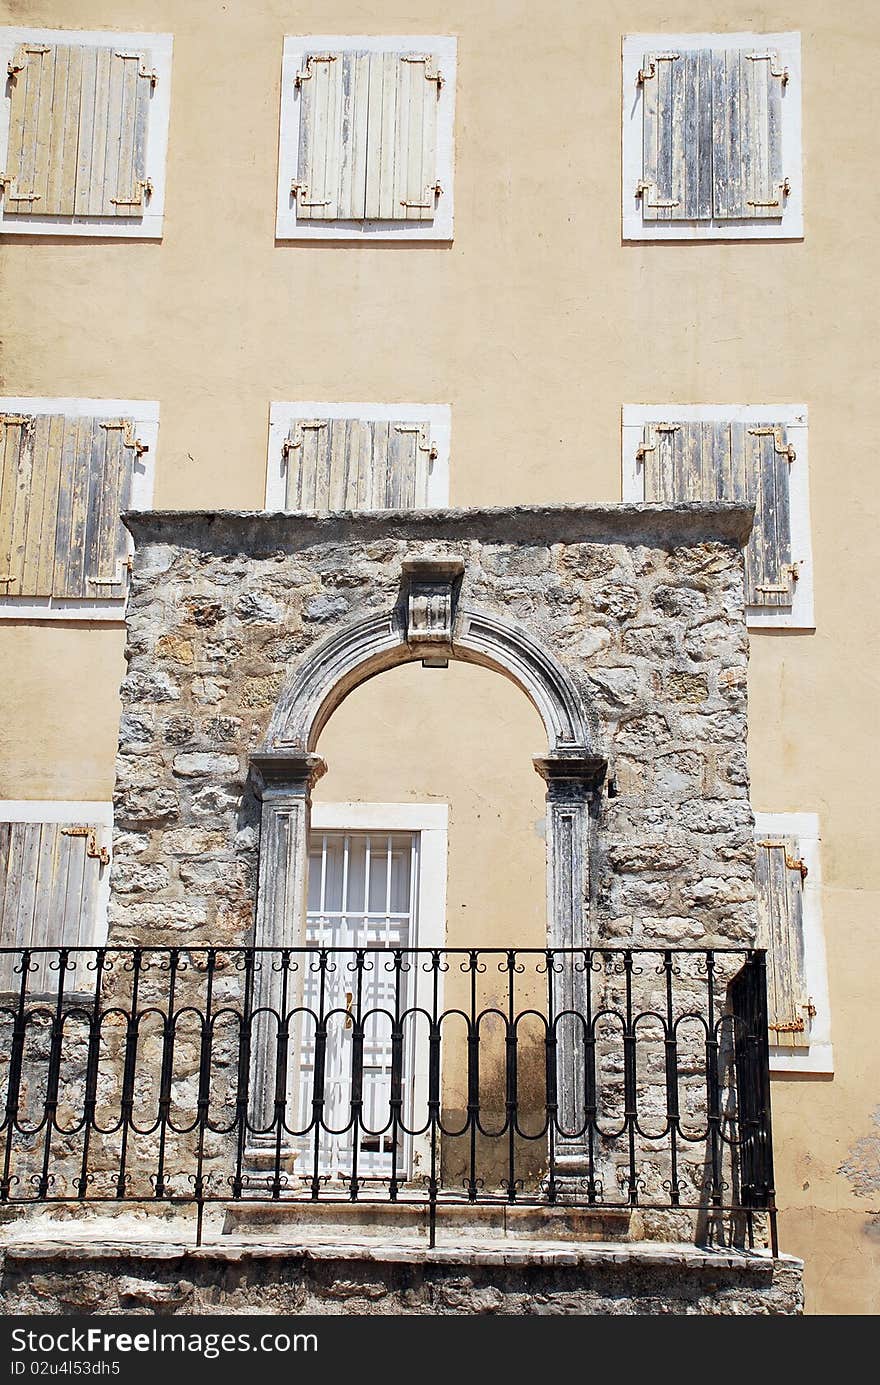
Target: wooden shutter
x=78, y=131
x=357, y=464
x=747, y=462
x=779, y=878
x=367, y=137
x=63, y=484
x=50, y=873
x=712, y=135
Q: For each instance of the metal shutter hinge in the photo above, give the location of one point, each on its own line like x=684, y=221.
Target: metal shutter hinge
x=99, y=853
x=793, y=863
x=424, y=443
x=784, y=191
x=149, y=72
x=793, y=1027
x=432, y=74
x=117, y=579
x=312, y=58
x=296, y=438
x=432, y=192
x=649, y=443
x=780, y=445
x=19, y=62
x=146, y=192
x=299, y=191
x=646, y=73
x=643, y=190
x=771, y=58
x=13, y=196
x=128, y=435
x=26, y=421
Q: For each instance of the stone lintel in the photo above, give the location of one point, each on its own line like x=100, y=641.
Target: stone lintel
x=280, y=771
x=256, y=533
x=573, y=775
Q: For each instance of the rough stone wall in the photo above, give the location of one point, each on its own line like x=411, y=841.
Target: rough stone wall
x=121, y=1279
x=643, y=610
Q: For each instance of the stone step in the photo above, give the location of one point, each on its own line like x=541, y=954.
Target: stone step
x=339, y=1218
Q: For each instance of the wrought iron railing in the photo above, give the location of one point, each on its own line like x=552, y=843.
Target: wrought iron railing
x=605, y=1078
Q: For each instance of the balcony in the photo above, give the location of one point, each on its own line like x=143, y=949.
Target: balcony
x=542, y=1087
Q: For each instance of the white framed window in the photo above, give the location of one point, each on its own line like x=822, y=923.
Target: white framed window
x=54, y=883
x=366, y=146
x=376, y=879
x=84, y=132
x=358, y=456
x=746, y=452
x=712, y=137
x=68, y=468
x=789, y=885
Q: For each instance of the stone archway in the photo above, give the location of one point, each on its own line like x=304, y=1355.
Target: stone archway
x=427, y=623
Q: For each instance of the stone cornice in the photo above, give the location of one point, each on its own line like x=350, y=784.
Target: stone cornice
x=257, y=532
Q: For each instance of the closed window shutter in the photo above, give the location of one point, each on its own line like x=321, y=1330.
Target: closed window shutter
x=63, y=485
x=367, y=137
x=711, y=135
x=779, y=880
x=746, y=462
x=356, y=464
x=78, y=131
x=677, y=136
x=50, y=875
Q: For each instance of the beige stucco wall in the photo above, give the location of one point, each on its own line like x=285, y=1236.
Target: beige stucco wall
x=536, y=325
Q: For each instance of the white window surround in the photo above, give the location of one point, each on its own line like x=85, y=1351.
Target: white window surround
x=145, y=414
x=819, y=1056
x=791, y=225
x=431, y=821
x=73, y=811
x=634, y=417
x=295, y=48
x=146, y=227
x=280, y=414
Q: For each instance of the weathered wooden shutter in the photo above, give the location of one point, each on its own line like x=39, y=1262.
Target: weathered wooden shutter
x=357, y=464
x=677, y=136
x=368, y=136
x=712, y=135
x=78, y=131
x=779, y=879
x=63, y=483
x=49, y=878
x=731, y=461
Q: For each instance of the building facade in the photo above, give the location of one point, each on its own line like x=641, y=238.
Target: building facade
x=264, y=305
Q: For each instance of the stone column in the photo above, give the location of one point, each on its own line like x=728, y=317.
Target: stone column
x=283, y=781
x=574, y=782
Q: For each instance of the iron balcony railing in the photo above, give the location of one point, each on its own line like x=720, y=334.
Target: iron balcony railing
x=600, y=1078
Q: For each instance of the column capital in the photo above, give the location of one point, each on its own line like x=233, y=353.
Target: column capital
x=279, y=772
x=572, y=776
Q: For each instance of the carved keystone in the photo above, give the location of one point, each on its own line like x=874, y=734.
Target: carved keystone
x=431, y=587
